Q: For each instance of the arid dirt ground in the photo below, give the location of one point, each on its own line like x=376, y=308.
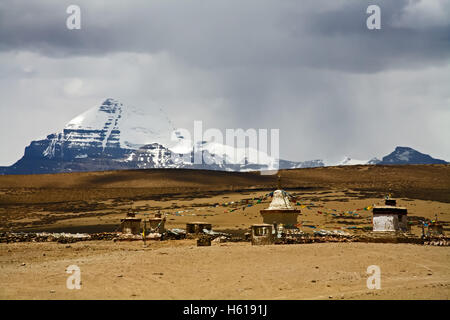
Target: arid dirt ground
x=181, y=270
x=177, y=269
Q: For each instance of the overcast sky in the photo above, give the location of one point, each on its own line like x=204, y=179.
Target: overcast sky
x=310, y=68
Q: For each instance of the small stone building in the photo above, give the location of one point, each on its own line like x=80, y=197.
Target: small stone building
x=390, y=218
x=262, y=234
x=204, y=241
x=131, y=224
x=197, y=227
x=157, y=224
x=280, y=211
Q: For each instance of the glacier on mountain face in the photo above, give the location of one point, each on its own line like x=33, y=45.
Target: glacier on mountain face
x=130, y=127
x=403, y=155
x=212, y=152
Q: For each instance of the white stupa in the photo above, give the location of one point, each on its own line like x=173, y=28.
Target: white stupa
x=280, y=201
x=280, y=210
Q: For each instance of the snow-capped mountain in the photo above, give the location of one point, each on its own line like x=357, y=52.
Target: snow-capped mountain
x=406, y=155
x=347, y=161
x=401, y=155
x=303, y=164
x=374, y=160
x=113, y=136
x=106, y=130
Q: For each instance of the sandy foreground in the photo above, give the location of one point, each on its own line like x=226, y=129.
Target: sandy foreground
x=329, y=198
x=181, y=270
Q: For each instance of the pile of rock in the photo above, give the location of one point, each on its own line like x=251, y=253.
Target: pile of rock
x=338, y=233
x=306, y=238
x=234, y=239
x=389, y=237
x=105, y=236
x=292, y=236
x=8, y=237
x=175, y=234
x=437, y=241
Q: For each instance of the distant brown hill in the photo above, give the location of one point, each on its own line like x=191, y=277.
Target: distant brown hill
x=415, y=181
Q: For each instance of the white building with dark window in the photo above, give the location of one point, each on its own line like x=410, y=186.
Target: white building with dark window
x=390, y=217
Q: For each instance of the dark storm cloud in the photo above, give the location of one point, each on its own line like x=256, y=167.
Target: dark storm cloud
x=354, y=47
x=310, y=68
x=211, y=34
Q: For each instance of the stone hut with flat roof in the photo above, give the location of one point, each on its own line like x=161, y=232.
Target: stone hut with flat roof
x=262, y=234
x=390, y=218
x=131, y=224
x=157, y=223
x=197, y=227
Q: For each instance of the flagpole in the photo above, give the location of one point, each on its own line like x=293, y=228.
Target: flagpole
x=143, y=232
